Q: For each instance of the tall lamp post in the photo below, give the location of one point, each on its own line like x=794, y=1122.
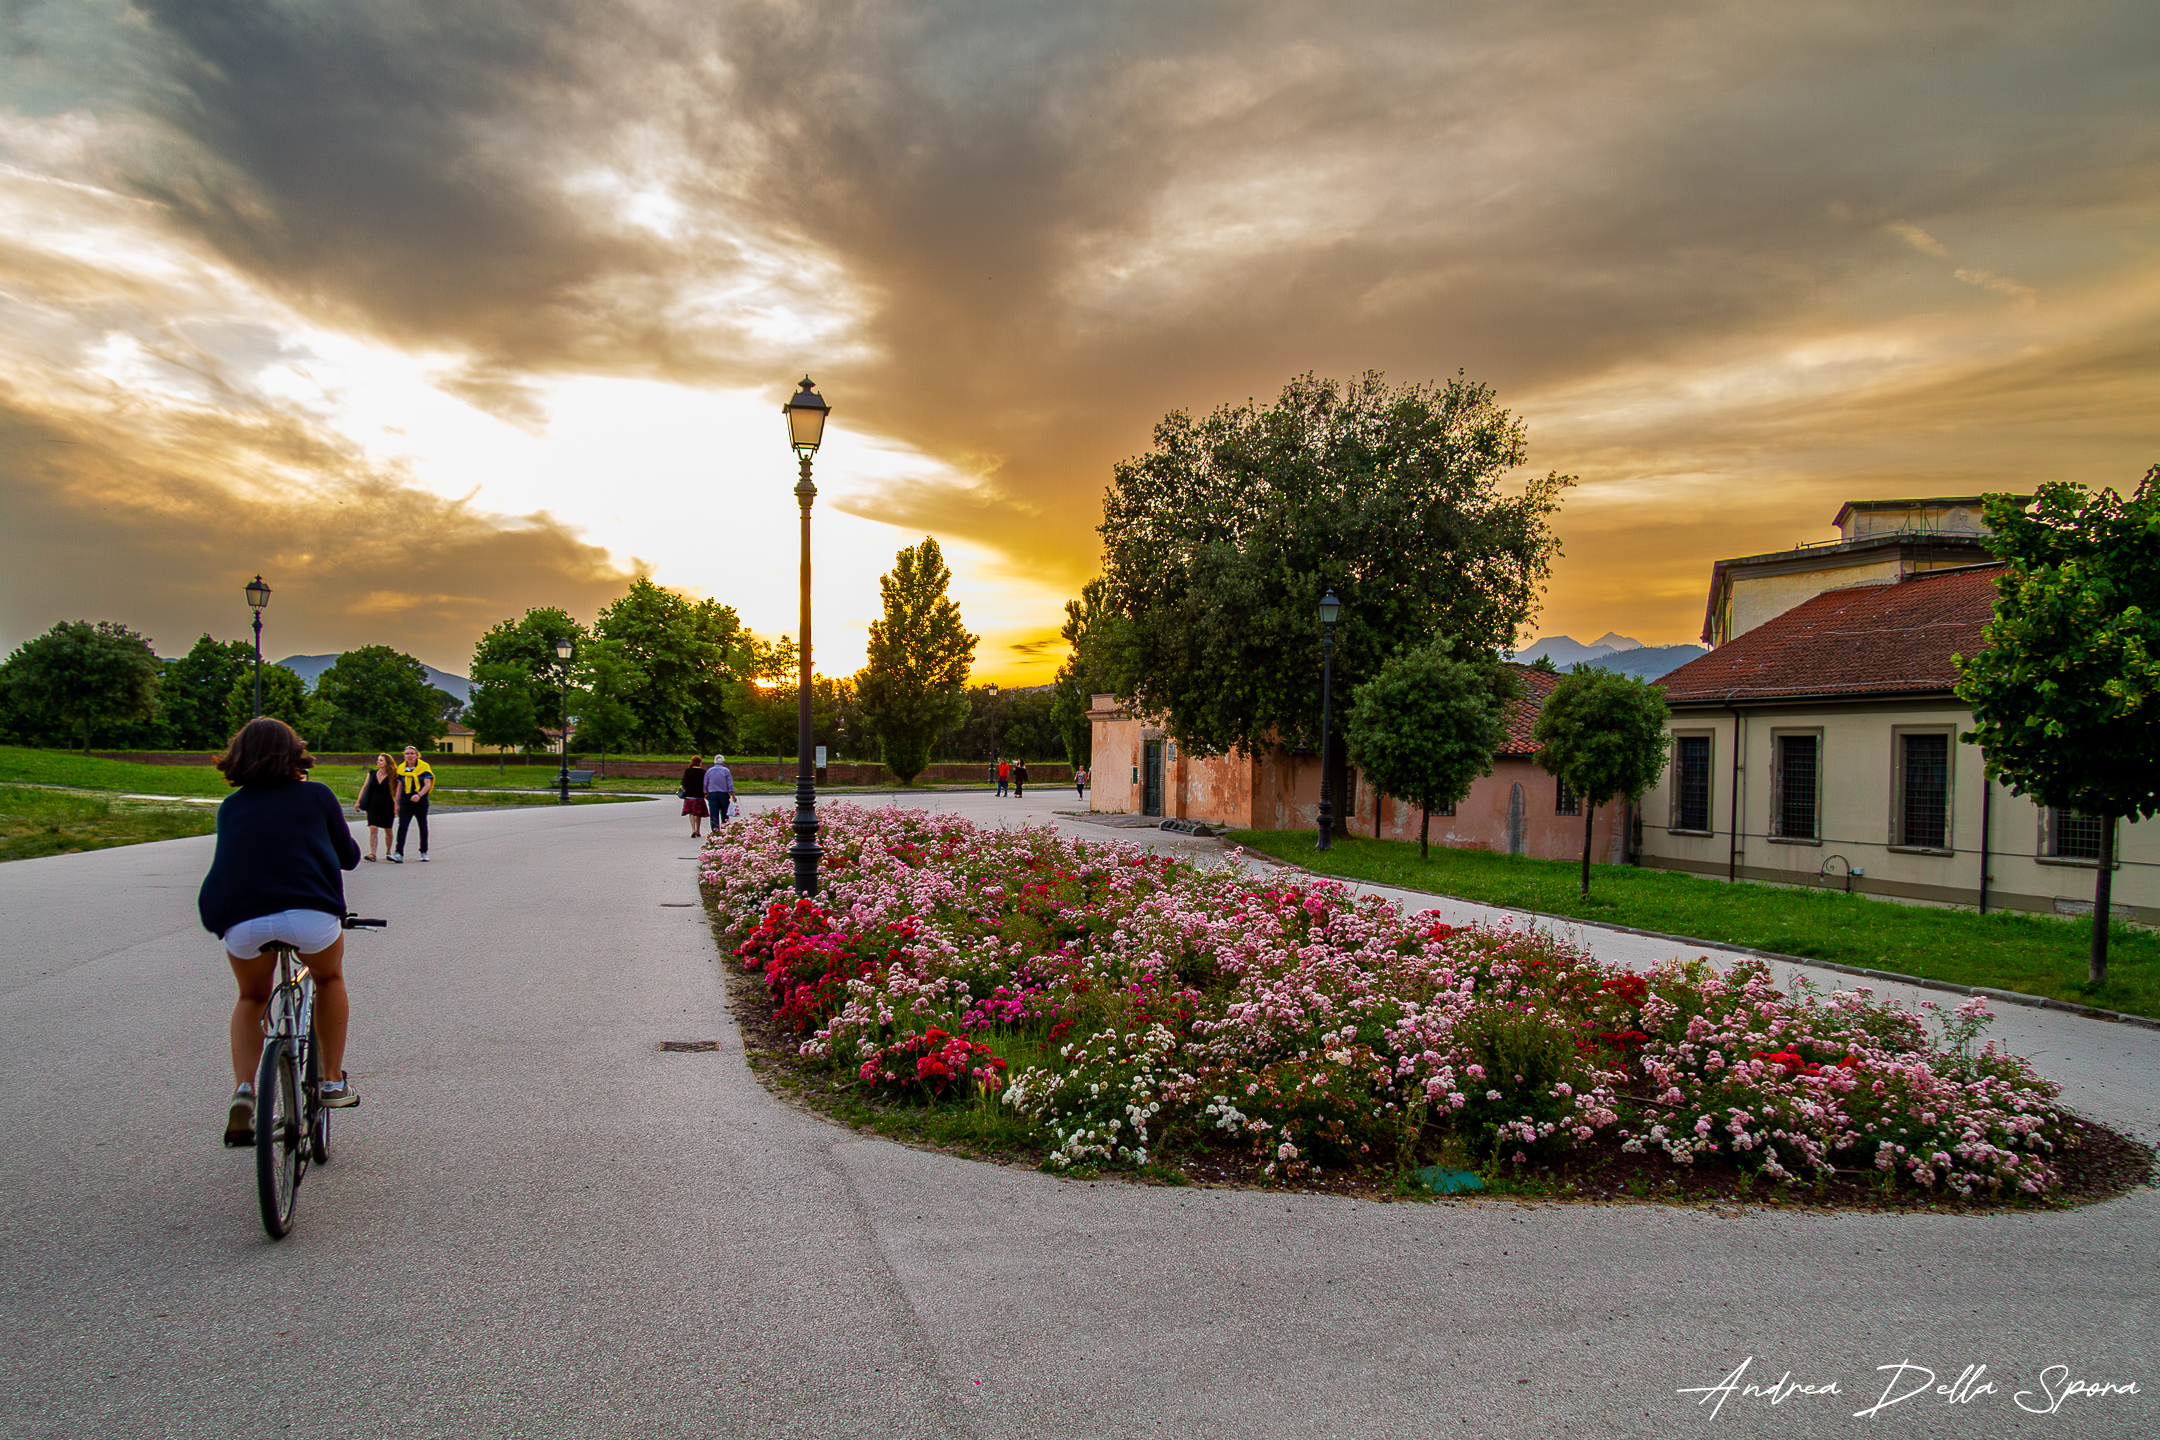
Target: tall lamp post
x=806, y=411
x=1330, y=608
x=258, y=595
x=565, y=652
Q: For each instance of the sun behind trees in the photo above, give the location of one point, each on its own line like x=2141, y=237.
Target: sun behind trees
x=914, y=687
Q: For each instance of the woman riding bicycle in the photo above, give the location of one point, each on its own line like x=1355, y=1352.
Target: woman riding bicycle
x=282, y=843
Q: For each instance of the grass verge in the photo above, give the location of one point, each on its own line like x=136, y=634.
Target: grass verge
x=2035, y=954
x=36, y=822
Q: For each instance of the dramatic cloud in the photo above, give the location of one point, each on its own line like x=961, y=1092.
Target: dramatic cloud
x=1736, y=263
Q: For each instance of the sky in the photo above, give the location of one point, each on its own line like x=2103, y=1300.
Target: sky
x=432, y=312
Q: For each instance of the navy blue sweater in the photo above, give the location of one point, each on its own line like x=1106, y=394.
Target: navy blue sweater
x=279, y=847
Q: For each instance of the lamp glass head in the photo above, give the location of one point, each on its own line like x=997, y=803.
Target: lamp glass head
x=258, y=593
x=806, y=411
x=564, y=648
x=1330, y=607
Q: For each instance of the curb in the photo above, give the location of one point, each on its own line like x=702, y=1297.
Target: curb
x=2012, y=997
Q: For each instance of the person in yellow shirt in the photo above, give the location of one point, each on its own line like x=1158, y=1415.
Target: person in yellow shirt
x=415, y=782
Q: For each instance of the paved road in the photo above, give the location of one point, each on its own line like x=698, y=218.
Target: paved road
x=539, y=1225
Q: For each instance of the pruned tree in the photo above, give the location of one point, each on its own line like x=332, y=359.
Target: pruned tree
x=1092, y=632
x=914, y=686
x=1425, y=727
x=1219, y=542
x=78, y=678
x=284, y=697
x=527, y=644
x=1603, y=735
x=192, y=694
x=376, y=698
x=602, y=705
x=2066, y=696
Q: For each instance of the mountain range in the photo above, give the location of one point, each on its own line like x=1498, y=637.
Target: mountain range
x=310, y=667
x=1610, y=651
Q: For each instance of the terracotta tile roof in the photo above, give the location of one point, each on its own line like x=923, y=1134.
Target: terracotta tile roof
x=1532, y=689
x=1864, y=640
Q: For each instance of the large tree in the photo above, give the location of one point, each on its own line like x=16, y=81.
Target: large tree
x=192, y=694
x=1425, y=727
x=914, y=686
x=689, y=653
x=1603, y=735
x=1219, y=543
x=528, y=645
x=376, y=698
x=1091, y=631
x=603, y=703
x=284, y=697
x=501, y=712
x=78, y=678
x=2066, y=696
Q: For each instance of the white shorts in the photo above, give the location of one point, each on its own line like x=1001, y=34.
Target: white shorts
x=308, y=931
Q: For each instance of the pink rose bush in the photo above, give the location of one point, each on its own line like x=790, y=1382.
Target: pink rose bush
x=1126, y=1004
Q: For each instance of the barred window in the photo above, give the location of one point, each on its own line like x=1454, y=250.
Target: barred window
x=2077, y=835
x=1924, y=801
x=1796, y=788
x=1691, y=782
x=1565, y=800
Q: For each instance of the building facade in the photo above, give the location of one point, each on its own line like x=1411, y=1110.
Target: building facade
x=1825, y=747
x=1139, y=769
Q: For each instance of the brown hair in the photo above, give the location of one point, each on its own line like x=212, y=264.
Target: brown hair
x=265, y=751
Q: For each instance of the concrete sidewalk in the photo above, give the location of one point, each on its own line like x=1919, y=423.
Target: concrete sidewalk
x=538, y=1224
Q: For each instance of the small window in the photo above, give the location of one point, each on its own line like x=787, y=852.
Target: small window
x=2076, y=835
x=1565, y=800
x=1923, y=798
x=1793, y=802
x=1691, y=782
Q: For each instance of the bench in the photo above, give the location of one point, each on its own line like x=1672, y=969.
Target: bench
x=581, y=777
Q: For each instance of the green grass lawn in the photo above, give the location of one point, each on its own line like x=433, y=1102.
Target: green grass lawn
x=2035, y=954
x=36, y=822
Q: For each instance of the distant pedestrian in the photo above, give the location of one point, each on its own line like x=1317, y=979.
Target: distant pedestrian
x=416, y=782
x=1020, y=780
x=692, y=791
x=378, y=802
x=1004, y=775
x=1080, y=779
x=719, y=790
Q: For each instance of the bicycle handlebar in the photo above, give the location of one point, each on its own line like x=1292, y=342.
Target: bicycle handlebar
x=354, y=922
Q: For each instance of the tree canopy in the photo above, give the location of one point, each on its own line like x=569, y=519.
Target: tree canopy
x=79, y=678
x=1092, y=631
x=192, y=694
x=2066, y=696
x=913, y=687
x=284, y=697
x=692, y=655
x=501, y=712
x=1219, y=543
x=1603, y=735
x=375, y=699
x=1425, y=727
x=527, y=645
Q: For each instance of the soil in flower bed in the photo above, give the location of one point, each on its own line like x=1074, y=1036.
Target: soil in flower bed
x=1093, y=1009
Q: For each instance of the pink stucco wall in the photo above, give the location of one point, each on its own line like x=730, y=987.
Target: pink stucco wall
x=1281, y=791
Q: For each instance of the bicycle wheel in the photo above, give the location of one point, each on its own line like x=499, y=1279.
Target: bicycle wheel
x=278, y=1136
x=318, y=1114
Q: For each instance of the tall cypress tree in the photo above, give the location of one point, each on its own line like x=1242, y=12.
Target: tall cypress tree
x=915, y=685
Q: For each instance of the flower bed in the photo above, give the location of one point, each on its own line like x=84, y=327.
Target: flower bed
x=1131, y=1010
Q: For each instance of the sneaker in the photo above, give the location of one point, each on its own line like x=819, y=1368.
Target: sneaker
x=395, y=859
x=337, y=1094
x=240, y=1119
x=423, y=857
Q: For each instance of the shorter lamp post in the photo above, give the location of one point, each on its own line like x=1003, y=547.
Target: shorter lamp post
x=565, y=652
x=258, y=595
x=1330, y=608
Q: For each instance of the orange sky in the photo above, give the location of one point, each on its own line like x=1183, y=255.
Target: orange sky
x=431, y=315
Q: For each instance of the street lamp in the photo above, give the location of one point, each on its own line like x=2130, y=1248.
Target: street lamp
x=1330, y=608
x=565, y=652
x=806, y=411
x=258, y=595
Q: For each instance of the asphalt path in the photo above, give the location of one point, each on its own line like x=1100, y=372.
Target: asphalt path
x=539, y=1224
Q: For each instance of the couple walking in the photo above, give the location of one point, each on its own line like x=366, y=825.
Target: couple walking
x=707, y=790
x=1015, y=774
x=401, y=791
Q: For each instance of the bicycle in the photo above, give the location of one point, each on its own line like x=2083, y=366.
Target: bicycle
x=292, y=1125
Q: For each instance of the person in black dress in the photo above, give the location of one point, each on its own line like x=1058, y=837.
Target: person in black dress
x=693, y=794
x=378, y=802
